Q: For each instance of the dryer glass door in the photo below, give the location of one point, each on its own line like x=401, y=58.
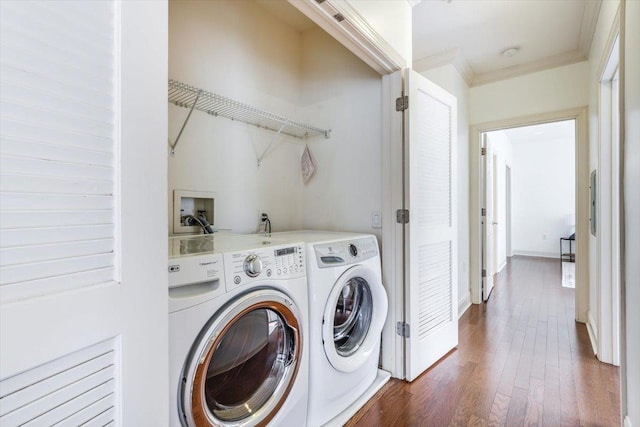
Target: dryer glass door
x=246, y=365
x=354, y=315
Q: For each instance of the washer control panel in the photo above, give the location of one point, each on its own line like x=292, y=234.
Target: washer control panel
x=275, y=262
x=345, y=252
x=195, y=269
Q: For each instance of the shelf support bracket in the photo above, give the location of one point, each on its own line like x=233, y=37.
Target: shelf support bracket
x=271, y=143
x=173, y=146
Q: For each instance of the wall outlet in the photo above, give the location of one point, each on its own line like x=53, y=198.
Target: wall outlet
x=376, y=220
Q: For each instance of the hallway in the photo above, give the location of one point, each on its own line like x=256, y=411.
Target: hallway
x=521, y=360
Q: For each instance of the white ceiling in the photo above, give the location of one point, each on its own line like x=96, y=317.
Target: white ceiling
x=471, y=34
x=546, y=131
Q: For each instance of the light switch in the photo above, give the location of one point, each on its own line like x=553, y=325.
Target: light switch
x=376, y=220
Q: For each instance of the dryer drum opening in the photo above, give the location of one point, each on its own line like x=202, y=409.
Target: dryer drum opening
x=352, y=316
x=249, y=369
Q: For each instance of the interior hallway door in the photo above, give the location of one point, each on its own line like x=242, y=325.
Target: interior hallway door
x=488, y=220
x=431, y=257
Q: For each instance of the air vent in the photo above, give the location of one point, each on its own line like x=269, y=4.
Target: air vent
x=338, y=17
x=320, y=1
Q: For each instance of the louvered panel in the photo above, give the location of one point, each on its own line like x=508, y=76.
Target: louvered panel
x=44, y=100
x=95, y=16
x=100, y=421
x=25, y=254
x=27, y=219
x=56, y=185
x=56, y=382
x=434, y=291
x=433, y=186
x=74, y=122
x=56, y=20
x=40, y=270
x=20, y=55
x=79, y=385
x=40, y=373
x=29, y=166
x=72, y=406
x=28, y=130
x=17, y=201
x=34, y=288
x=55, y=46
x=52, y=152
x=42, y=236
x=58, y=86
x=87, y=416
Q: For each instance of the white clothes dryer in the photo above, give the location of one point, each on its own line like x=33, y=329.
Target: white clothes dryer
x=347, y=311
x=237, y=331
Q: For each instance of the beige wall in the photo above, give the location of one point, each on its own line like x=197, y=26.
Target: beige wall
x=341, y=92
x=557, y=89
x=238, y=50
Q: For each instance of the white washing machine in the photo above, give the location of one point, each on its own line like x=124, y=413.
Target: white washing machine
x=347, y=310
x=237, y=331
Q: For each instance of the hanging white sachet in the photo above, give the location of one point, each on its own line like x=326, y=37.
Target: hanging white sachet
x=306, y=165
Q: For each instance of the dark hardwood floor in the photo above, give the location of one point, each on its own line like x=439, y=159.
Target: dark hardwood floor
x=521, y=360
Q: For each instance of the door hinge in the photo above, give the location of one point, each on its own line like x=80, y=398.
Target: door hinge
x=484, y=273
x=483, y=151
x=402, y=329
x=402, y=216
x=483, y=212
x=402, y=103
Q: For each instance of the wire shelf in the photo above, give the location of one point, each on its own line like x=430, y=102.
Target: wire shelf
x=184, y=95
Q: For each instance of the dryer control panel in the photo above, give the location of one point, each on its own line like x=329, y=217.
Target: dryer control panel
x=269, y=263
x=345, y=252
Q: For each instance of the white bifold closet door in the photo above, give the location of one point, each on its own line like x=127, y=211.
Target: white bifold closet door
x=431, y=291
x=82, y=288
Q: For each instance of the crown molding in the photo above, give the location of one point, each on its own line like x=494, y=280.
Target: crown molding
x=588, y=26
x=454, y=57
x=450, y=57
x=346, y=25
x=414, y=2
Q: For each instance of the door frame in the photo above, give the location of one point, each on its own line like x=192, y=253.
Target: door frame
x=604, y=318
x=507, y=219
x=582, y=199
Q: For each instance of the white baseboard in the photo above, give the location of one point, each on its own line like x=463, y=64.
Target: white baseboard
x=592, y=329
x=627, y=421
x=504, y=264
x=464, y=303
x=542, y=254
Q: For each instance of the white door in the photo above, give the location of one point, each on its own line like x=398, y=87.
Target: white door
x=83, y=281
x=488, y=226
x=431, y=234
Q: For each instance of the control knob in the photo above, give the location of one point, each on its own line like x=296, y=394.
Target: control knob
x=253, y=265
x=353, y=250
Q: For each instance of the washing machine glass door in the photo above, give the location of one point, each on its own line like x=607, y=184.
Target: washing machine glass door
x=244, y=364
x=353, y=319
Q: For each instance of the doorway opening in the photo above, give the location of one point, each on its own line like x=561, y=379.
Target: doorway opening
x=528, y=196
